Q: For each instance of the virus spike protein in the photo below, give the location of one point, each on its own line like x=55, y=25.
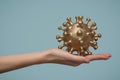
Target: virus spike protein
x=78, y=36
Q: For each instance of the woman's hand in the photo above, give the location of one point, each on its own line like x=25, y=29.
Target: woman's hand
x=63, y=57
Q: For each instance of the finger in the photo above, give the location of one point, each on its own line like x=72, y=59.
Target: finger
x=98, y=57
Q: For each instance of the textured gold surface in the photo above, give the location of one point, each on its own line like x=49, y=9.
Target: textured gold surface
x=78, y=36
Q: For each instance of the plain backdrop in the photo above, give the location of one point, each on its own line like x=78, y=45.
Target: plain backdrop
x=31, y=25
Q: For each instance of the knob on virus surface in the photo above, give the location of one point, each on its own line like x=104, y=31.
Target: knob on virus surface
x=78, y=36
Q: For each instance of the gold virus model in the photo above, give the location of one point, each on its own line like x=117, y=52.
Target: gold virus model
x=78, y=36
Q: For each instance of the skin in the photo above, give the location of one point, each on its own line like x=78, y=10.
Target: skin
x=58, y=56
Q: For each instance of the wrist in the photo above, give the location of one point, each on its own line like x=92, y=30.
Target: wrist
x=43, y=57
x=47, y=56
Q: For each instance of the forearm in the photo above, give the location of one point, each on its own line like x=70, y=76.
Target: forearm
x=13, y=62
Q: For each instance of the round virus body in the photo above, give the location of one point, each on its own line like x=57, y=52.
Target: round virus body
x=78, y=36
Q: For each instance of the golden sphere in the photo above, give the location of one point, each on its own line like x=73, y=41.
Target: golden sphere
x=78, y=36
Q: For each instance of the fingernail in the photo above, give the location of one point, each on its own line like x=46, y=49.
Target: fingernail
x=109, y=55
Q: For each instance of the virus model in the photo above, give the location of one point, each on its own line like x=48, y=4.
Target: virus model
x=78, y=36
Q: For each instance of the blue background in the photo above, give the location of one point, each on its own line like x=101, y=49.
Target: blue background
x=31, y=25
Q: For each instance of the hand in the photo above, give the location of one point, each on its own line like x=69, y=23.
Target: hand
x=63, y=57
